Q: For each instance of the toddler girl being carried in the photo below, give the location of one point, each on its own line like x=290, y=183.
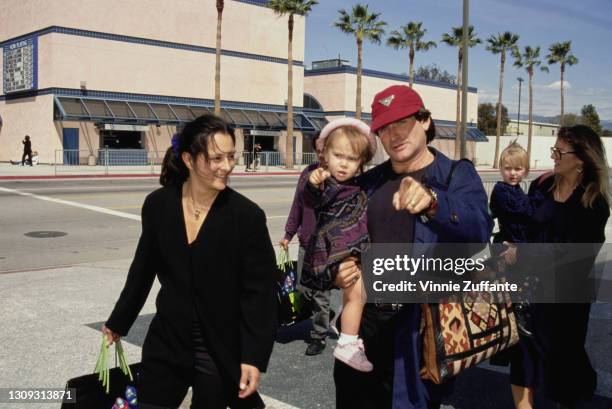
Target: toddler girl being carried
x=341, y=226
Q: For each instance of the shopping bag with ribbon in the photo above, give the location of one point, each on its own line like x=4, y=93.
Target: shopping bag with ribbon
x=106, y=388
x=287, y=291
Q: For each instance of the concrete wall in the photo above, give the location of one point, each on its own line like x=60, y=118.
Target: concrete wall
x=28, y=116
x=65, y=61
x=329, y=90
x=540, y=149
x=281, y=143
x=336, y=92
x=180, y=21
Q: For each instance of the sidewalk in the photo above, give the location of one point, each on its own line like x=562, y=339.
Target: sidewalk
x=51, y=321
x=18, y=172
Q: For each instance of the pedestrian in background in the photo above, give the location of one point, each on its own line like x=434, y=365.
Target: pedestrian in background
x=256, y=154
x=209, y=247
x=27, y=151
x=301, y=220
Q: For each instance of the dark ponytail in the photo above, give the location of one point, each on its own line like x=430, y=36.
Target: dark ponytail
x=193, y=139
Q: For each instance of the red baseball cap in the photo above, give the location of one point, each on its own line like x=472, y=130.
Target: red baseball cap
x=394, y=103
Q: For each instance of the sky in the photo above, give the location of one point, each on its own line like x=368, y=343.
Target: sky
x=587, y=23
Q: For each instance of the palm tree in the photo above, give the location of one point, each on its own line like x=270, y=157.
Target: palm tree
x=220, y=5
x=500, y=44
x=410, y=37
x=530, y=60
x=560, y=54
x=290, y=8
x=363, y=25
x=455, y=39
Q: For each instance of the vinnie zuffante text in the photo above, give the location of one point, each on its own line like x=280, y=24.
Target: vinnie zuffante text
x=413, y=265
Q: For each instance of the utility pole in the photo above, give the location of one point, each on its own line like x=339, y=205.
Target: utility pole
x=464, y=76
x=518, y=118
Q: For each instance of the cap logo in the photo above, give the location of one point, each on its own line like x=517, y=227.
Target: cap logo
x=387, y=101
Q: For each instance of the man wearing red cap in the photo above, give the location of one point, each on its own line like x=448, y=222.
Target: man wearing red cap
x=417, y=196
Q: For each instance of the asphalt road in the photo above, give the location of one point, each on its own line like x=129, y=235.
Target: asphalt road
x=69, y=222
x=89, y=235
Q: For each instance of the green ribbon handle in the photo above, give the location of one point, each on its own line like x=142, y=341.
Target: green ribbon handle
x=102, y=365
x=283, y=258
x=125, y=368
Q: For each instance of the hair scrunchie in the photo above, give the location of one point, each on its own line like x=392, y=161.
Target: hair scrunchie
x=175, y=145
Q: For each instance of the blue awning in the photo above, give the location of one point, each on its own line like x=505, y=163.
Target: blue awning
x=471, y=133
x=140, y=112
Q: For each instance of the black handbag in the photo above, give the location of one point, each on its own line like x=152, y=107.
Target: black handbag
x=101, y=389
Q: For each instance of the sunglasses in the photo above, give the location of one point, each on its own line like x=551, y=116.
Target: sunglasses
x=558, y=153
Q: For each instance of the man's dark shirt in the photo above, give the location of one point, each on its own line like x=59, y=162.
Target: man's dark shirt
x=385, y=224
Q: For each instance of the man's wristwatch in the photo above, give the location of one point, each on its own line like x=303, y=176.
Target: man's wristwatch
x=434, y=201
x=431, y=210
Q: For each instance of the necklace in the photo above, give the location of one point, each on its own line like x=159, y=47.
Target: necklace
x=197, y=211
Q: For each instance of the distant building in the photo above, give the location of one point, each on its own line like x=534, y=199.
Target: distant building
x=332, y=84
x=84, y=75
x=538, y=128
x=337, y=62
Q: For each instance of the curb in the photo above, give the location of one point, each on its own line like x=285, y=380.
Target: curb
x=128, y=175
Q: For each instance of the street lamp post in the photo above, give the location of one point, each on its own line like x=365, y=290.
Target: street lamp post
x=464, y=76
x=518, y=119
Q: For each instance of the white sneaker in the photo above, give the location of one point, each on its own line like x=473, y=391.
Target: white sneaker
x=353, y=354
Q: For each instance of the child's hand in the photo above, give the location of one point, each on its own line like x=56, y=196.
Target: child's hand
x=318, y=176
x=509, y=255
x=349, y=273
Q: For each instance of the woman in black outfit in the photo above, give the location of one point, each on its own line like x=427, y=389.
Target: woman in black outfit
x=572, y=206
x=210, y=249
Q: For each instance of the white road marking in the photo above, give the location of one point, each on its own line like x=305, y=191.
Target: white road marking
x=74, y=204
x=90, y=207
x=127, y=188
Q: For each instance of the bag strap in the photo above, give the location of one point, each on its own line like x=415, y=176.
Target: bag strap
x=452, y=169
x=544, y=176
x=102, y=365
x=283, y=258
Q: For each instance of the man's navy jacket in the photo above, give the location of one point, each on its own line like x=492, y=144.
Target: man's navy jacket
x=462, y=216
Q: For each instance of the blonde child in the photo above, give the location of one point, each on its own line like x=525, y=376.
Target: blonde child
x=341, y=226
x=509, y=204
x=514, y=210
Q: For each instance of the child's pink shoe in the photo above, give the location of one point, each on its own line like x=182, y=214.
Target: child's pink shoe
x=353, y=354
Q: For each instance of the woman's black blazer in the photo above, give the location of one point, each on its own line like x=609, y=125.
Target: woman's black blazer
x=226, y=276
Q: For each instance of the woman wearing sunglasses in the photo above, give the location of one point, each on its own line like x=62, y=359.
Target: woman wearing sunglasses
x=572, y=207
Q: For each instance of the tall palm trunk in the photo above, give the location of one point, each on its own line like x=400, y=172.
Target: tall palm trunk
x=530, y=129
x=411, y=70
x=218, y=59
x=458, y=116
x=562, y=100
x=359, y=69
x=289, y=141
x=499, y=110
